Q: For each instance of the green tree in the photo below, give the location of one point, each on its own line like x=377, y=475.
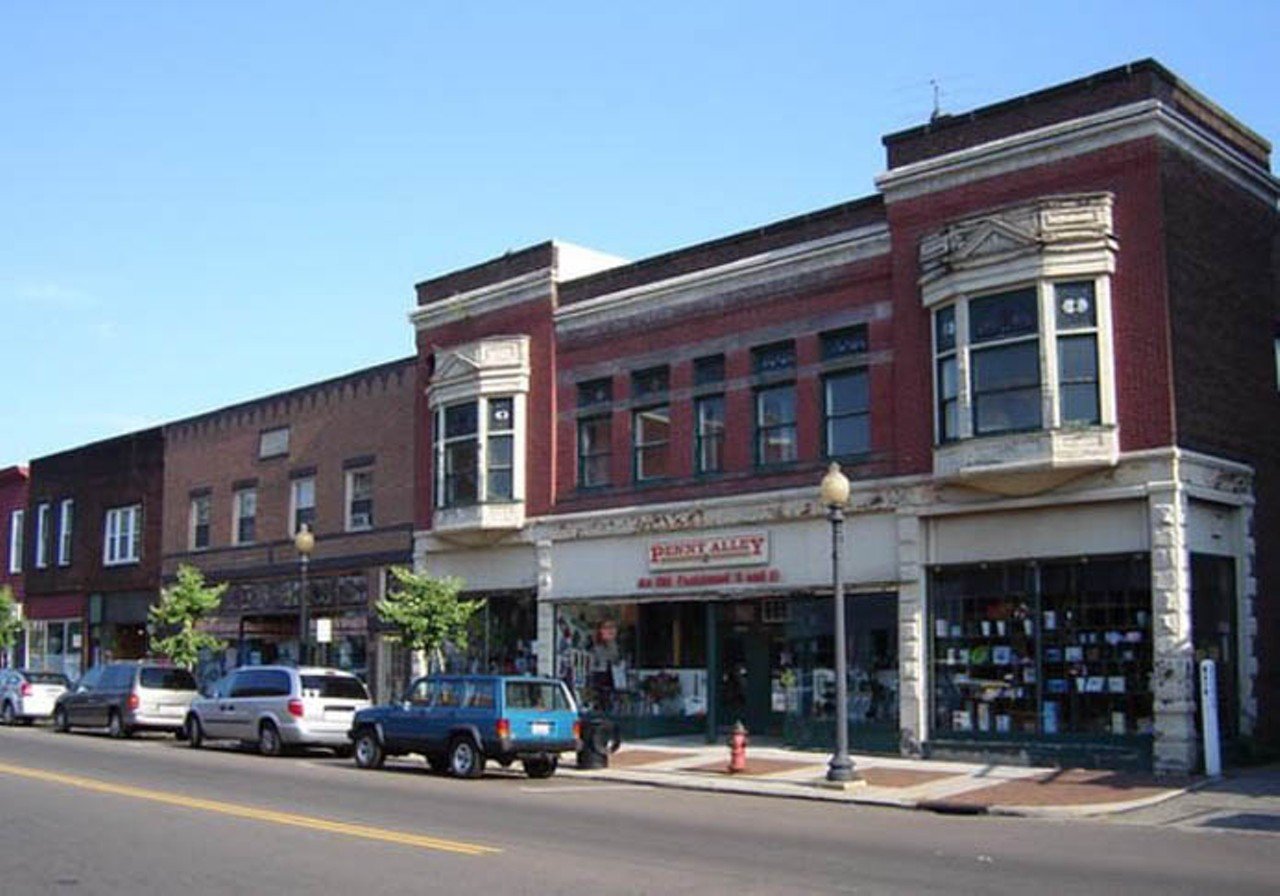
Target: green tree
x=427, y=614
x=182, y=605
x=10, y=621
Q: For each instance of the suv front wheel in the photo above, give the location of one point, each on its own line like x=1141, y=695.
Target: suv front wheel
x=465, y=758
x=368, y=751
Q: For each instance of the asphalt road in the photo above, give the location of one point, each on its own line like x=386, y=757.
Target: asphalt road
x=82, y=814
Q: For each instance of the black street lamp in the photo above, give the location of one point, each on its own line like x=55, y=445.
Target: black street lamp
x=305, y=542
x=834, y=493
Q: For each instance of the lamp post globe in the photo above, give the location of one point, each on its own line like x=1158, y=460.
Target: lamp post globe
x=305, y=543
x=833, y=491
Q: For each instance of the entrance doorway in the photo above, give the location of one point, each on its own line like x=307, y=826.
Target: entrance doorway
x=751, y=653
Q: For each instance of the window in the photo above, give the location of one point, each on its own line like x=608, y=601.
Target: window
x=708, y=370
x=123, y=541
x=1002, y=353
x=302, y=500
x=709, y=436
x=594, y=392
x=16, y=521
x=42, y=536
x=246, y=515
x=651, y=433
x=846, y=413
x=359, y=499
x=200, y=508
x=844, y=342
x=593, y=451
x=273, y=443
x=66, y=512
x=775, y=358
x=651, y=382
x=775, y=425
x=465, y=474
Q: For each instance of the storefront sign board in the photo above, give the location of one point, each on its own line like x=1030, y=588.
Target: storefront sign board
x=697, y=552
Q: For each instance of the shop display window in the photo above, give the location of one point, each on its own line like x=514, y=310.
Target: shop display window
x=1042, y=649
x=634, y=660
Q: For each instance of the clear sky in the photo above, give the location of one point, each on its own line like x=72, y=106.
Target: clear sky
x=205, y=202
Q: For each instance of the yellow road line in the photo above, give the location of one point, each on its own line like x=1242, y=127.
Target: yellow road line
x=386, y=835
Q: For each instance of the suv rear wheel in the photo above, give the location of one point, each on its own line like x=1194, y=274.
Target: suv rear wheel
x=116, y=726
x=541, y=766
x=368, y=751
x=465, y=758
x=269, y=743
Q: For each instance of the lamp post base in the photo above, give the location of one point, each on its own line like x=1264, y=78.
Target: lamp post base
x=840, y=771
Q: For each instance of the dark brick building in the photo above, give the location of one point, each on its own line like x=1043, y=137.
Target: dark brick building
x=13, y=511
x=240, y=481
x=92, y=551
x=1045, y=353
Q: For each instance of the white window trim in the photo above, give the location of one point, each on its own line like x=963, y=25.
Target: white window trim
x=293, y=500
x=42, y=535
x=350, y=496
x=17, y=519
x=113, y=525
x=481, y=438
x=66, y=520
x=236, y=498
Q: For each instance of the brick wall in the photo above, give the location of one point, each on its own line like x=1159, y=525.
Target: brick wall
x=13, y=496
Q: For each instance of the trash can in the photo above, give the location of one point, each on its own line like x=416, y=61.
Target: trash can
x=600, y=737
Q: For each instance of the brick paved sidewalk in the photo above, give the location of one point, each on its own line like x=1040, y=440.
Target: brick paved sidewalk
x=958, y=787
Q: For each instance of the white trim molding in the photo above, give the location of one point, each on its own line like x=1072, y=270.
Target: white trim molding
x=529, y=287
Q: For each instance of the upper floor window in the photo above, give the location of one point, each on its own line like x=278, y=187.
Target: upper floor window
x=359, y=499
x=66, y=513
x=650, y=382
x=776, y=425
x=475, y=452
x=594, y=451
x=844, y=342
x=708, y=370
x=17, y=520
x=245, y=505
x=1004, y=356
x=775, y=358
x=273, y=443
x=302, y=503
x=651, y=433
x=201, y=506
x=709, y=435
x=846, y=406
x=123, y=535
x=42, y=535
x=594, y=392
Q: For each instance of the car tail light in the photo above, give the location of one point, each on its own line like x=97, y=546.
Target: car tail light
x=504, y=727
x=296, y=708
x=134, y=702
x=26, y=689
x=577, y=730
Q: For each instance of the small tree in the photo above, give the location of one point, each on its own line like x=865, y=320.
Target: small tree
x=10, y=621
x=426, y=614
x=182, y=605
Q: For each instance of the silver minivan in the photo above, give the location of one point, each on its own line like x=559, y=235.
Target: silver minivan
x=277, y=707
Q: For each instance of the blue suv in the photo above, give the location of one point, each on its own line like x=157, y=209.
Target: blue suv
x=459, y=721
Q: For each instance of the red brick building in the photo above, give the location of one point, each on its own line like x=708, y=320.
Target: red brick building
x=1045, y=353
x=240, y=481
x=13, y=510
x=92, y=552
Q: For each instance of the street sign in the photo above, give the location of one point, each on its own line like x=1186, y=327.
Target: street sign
x=324, y=631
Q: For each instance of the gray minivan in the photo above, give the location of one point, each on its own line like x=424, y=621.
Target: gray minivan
x=124, y=697
x=275, y=707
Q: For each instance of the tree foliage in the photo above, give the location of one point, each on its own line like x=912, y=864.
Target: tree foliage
x=10, y=621
x=427, y=613
x=182, y=606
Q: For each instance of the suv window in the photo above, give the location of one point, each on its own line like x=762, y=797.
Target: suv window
x=46, y=678
x=479, y=695
x=167, y=679
x=535, y=695
x=344, y=687
x=91, y=679
x=261, y=683
x=450, y=693
x=117, y=678
x=423, y=692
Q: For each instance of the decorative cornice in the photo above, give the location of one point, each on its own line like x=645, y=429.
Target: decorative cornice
x=496, y=365
x=1149, y=118
x=525, y=288
x=755, y=271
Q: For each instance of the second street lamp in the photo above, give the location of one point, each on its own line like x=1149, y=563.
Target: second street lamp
x=834, y=494
x=305, y=542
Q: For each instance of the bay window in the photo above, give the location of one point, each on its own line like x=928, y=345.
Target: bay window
x=475, y=452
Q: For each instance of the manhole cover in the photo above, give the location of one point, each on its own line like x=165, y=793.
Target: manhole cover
x=1245, y=821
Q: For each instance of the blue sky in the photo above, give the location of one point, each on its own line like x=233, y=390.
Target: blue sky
x=201, y=203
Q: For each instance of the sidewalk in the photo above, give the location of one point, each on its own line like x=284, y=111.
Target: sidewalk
x=956, y=787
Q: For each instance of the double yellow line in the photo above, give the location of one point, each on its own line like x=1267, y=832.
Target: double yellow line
x=235, y=810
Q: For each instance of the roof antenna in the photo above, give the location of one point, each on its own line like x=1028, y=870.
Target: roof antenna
x=937, y=100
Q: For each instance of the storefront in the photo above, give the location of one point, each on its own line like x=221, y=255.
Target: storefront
x=119, y=626
x=53, y=634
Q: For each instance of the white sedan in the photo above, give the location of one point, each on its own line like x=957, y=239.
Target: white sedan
x=27, y=695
